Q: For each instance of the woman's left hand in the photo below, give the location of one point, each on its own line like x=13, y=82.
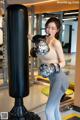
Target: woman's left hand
x=51, y=38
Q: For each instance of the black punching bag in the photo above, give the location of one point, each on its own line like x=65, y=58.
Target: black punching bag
x=17, y=30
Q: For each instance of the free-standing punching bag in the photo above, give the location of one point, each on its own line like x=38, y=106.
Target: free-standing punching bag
x=17, y=42
x=18, y=51
x=17, y=29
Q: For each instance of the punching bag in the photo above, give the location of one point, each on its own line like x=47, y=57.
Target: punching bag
x=17, y=43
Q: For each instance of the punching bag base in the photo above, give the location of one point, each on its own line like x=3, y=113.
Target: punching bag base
x=28, y=116
x=19, y=112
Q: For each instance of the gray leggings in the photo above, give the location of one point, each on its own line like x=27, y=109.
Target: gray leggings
x=58, y=85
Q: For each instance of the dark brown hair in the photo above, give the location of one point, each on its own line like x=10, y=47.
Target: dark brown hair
x=57, y=22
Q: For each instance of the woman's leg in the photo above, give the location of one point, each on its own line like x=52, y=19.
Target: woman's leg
x=52, y=106
x=47, y=111
x=53, y=103
x=57, y=113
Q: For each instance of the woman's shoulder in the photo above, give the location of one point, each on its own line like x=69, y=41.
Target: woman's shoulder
x=56, y=43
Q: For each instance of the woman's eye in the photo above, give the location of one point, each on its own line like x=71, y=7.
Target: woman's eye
x=51, y=28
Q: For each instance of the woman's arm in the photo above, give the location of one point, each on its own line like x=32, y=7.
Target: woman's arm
x=59, y=50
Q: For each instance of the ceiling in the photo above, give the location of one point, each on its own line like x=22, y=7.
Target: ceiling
x=47, y=6
x=28, y=1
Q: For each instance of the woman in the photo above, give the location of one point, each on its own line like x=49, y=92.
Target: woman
x=58, y=81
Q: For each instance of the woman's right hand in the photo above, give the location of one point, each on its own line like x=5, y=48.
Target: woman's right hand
x=30, y=36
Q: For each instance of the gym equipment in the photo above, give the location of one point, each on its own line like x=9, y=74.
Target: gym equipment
x=42, y=47
x=37, y=38
x=18, y=69
x=40, y=78
x=33, y=52
x=46, y=70
x=72, y=85
x=55, y=67
x=72, y=116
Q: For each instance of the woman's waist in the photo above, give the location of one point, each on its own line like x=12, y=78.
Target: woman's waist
x=49, y=61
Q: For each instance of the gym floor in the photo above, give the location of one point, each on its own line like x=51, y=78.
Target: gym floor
x=36, y=101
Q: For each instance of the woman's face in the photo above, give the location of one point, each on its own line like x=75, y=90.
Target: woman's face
x=51, y=29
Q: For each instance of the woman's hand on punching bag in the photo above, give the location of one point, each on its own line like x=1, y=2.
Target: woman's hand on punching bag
x=30, y=36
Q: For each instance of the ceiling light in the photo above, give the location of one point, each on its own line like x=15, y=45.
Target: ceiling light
x=69, y=19
x=36, y=3
x=70, y=13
